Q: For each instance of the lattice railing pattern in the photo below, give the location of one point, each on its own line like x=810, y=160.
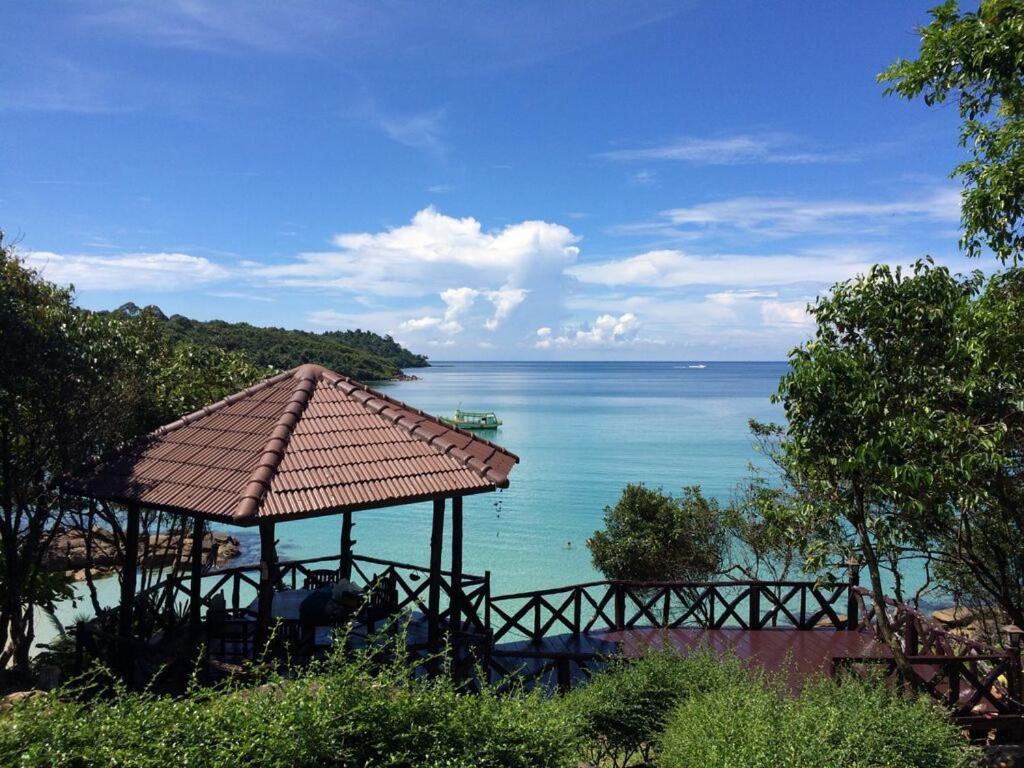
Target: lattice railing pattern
x=618, y=605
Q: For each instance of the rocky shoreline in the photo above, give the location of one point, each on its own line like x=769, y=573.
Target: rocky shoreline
x=68, y=551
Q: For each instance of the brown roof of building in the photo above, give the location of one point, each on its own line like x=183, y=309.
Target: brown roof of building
x=303, y=443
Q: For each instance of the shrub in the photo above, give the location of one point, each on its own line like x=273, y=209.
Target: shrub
x=622, y=711
x=850, y=724
x=651, y=535
x=341, y=714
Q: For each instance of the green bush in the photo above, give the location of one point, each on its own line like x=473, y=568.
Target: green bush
x=343, y=714
x=676, y=711
x=849, y=724
x=622, y=711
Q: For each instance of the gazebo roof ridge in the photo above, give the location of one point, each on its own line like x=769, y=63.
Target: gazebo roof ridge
x=305, y=442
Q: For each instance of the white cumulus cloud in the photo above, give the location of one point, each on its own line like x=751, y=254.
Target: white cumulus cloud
x=151, y=271
x=431, y=253
x=606, y=331
x=786, y=314
x=675, y=269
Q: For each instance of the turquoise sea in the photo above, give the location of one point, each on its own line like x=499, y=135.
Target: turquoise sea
x=582, y=430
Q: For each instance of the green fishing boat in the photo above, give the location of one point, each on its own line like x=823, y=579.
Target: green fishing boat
x=473, y=420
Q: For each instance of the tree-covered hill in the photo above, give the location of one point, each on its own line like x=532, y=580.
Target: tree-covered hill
x=360, y=354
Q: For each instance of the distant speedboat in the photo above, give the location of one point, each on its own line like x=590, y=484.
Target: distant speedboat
x=699, y=365
x=473, y=420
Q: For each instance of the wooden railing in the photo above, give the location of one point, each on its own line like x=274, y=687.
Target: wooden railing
x=972, y=678
x=620, y=605
x=165, y=605
x=977, y=681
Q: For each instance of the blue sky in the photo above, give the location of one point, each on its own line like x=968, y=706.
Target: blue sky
x=584, y=180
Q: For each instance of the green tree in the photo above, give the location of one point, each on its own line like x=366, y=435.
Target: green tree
x=905, y=427
x=650, y=535
x=73, y=384
x=763, y=542
x=978, y=59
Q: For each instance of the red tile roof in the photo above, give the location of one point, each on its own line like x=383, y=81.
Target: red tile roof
x=303, y=443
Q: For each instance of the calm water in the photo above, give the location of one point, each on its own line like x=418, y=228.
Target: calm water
x=582, y=431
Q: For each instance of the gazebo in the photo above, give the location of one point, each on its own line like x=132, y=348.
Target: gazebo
x=306, y=443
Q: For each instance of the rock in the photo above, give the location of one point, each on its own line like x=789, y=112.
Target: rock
x=67, y=551
x=955, y=616
x=8, y=701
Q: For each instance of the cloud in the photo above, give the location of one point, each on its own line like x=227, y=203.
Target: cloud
x=734, y=297
x=241, y=295
x=422, y=131
x=643, y=177
x=150, y=271
x=782, y=217
x=786, y=314
x=728, y=150
x=675, y=269
x=431, y=253
x=504, y=300
x=458, y=301
x=217, y=25
x=420, y=323
x=606, y=331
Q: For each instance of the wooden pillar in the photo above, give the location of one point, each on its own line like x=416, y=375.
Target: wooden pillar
x=268, y=577
x=456, y=597
x=434, y=594
x=128, y=573
x=345, y=564
x=195, y=585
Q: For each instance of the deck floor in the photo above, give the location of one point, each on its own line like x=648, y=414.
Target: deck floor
x=795, y=655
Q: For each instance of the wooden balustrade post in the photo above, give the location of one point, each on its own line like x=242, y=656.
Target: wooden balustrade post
x=487, y=601
x=852, y=619
x=236, y=586
x=754, y=616
x=456, y=592
x=620, y=605
x=195, y=584
x=577, y=611
x=268, y=579
x=126, y=613
x=1013, y=677
x=911, y=644
x=345, y=565
x=434, y=590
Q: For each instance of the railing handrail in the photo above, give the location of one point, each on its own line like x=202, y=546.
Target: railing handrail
x=932, y=625
x=281, y=564
x=782, y=584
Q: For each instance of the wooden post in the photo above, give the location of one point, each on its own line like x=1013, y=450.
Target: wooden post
x=456, y=597
x=128, y=573
x=1013, y=677
x=195, y=586
x=434, y=594
x=620, y=605
x=345, y=566
x=268, y=577
x=852, y=619
x=754, y=617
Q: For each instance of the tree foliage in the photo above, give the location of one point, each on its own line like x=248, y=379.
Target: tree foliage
x=360, y=354
x=72, y=385
x=650, y=535
x=905, y=428
x=978, y=59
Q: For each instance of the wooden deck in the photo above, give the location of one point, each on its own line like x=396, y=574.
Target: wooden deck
x=796, y=655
